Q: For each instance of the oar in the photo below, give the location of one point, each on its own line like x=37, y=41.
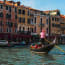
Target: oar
x=56, y=46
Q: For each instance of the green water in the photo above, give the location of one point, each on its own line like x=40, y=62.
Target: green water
x=23, y=56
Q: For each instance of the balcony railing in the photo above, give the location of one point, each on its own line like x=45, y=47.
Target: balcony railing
x=41, y=25
x=24, y=32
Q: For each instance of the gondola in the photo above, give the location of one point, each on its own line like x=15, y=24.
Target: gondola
x=45, y=48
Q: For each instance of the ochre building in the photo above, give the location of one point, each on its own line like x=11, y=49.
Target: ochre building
x=17, y=18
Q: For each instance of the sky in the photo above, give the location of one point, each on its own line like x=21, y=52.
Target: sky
x=45, y=4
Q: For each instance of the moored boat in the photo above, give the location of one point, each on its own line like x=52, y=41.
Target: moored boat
x=3, y=43
x=45, y=48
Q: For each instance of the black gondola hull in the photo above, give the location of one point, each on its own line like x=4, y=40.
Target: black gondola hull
x=45, y=49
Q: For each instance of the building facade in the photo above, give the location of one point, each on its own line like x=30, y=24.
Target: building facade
x=18, y=18
x=8, y=17
x=62, y=24
x=25, y=19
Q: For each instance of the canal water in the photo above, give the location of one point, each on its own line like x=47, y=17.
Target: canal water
x=23, y=56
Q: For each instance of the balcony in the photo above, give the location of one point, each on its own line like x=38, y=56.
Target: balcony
x=24, y=32
x=41, y=25
x=42, y=13
x=8, y=16
x=15, y=24
x=10, y=24
x=32, y=15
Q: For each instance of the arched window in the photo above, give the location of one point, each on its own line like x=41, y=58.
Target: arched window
x=20, y=28
x=28, y=28
x=23, y=29
x=31, y=29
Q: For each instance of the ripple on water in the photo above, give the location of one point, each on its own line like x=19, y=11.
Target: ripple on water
x=23, y=56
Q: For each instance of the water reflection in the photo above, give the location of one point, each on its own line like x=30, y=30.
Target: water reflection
x=53, y=58
x=23, y=56
x=45, y=56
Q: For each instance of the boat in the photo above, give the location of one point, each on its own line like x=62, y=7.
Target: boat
x=3, y=43
x=45, y=48
x=19, y=44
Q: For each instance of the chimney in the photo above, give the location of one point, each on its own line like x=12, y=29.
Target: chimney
x=4, y=1
x=18, y=3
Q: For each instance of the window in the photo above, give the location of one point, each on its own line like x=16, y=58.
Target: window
x=20, y=28
x=10, y=29
x=1, y=29
x=9, y=9
x=31, y=21
x=7, y=23
x=15, y=16
x=28, y=29
x=10, y=24
x=57, y=19
x=35, y=20
x=1, y=6
x=23, y=20
x=7, y=30
x=6, y=7
x=8, y=15
x=35, y=29
x=28, y=12
x=1, y=14
x=23, y=29
x=20, y=20
x=23, y=11
x=28, y=21
x=31, y=29
x=15, y=29
x=47, y=30
x=15, y=10
x=35, y=12
x=47, y=21
x=41, y=20
x=53, y=18
x=15, y=24
x=19, y=11
x=55, y=25
x=1, y=23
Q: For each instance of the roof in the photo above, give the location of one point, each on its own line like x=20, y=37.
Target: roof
x=48, y=11
x=9, y=3
x=62, y=16
x=29, y=8
x=15, y=4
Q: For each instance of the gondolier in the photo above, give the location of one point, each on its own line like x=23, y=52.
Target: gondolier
x=45, y=48
x=42, y=36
